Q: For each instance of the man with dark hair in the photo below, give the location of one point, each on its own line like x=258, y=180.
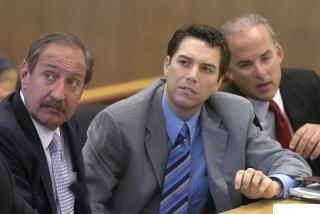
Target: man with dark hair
x=286, y=101
x=179, y=146
x=8, y=77
x=37, y=139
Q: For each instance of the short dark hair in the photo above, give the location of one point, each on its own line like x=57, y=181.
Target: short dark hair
x=208, y=34
x=69, y=39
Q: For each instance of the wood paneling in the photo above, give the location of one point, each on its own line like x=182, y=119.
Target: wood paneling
x=129, y=37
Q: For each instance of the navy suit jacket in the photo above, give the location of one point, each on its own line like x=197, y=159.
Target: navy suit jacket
x=300, y=92
x=21, y=146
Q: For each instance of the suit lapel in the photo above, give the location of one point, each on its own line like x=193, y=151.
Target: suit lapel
x=232, y=88
x=156, y=137
x=298, y=114
x=215, y=144
x=75, y=152
x=35, y=145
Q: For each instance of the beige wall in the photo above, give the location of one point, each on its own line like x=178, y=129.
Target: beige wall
x=129, y=37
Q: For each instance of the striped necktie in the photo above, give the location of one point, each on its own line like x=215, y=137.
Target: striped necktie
x=174, y=197
x=65, y=198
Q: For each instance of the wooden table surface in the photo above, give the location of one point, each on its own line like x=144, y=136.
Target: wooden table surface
x=263, y=207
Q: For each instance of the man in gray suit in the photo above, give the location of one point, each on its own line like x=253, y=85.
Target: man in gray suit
x=132, y=155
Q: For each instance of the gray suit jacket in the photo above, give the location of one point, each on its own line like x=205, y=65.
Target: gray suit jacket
x=126, y=152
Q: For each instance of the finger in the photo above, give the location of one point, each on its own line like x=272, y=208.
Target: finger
x=302, y=144
x=316, y=152
x=257, y=179
x=247, y=178
x=294, y=141
x=238, y=179
x=311, y=144
x=296, y=138
x=265, y=183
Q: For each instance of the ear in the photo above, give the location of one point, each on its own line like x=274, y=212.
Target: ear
x=220, y=81
x=279, y=52
x=229, y=74
x=166, y=65
x=24, y=74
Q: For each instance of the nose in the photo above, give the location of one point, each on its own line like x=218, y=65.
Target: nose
x=259, y=71
x=59, y=90
x=193, y=74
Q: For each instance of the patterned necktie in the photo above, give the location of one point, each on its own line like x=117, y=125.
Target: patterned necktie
x=174, y=197
x=61, y=176
x=281, y=124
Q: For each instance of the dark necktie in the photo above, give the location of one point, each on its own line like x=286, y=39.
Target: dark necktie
x=61, y=177
x=282, y=129
x=174, y=197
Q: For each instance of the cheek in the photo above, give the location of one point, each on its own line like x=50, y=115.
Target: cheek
x=73, y=100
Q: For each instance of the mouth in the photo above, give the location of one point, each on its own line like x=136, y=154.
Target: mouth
x=54, y=109
x=263, y=85
x=188, y=90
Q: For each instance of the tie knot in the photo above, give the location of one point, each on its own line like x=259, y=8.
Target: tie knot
x=273, y=106
x=184, y=130
x=55, y=144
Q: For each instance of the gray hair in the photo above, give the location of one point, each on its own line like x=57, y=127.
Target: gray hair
x=244, y=23
x=69, y=39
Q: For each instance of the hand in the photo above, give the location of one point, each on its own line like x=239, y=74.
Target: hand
x=306, y=141
x=254, y=184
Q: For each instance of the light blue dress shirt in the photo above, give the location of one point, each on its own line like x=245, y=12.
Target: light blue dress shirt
x=199, y=186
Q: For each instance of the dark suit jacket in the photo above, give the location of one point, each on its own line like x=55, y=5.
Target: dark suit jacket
x=10, y=202
x=20, y=145
x=300, y=92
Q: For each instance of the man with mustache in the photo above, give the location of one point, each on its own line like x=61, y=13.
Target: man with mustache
x=37, y=137
x=179, y=146
x=256, y=73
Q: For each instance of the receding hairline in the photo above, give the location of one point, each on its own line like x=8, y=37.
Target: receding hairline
x=246, y=22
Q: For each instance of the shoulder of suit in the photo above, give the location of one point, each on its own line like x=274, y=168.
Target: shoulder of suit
x=297, y=72
x=223, y=99
x=137, y=103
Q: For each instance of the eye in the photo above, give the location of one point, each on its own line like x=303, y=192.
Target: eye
x=74, y=83
x=245, y=65
x=49, y=76
x=207, y=70
x=265, y=58
x=184, y=62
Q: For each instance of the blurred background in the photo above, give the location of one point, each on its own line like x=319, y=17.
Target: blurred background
x=129, y=37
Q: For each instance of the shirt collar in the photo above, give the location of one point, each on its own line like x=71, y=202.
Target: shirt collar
x=261, y=107
x=44, y=133
x=174, y=124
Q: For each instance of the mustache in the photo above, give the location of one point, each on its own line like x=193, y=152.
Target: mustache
x=53, y=103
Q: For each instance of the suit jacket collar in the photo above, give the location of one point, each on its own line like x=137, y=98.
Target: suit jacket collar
x=35, y=146
x=214, y=139
x=232, y=88
x=156, y=137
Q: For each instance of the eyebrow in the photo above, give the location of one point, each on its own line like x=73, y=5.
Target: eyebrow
x=57, y=68
x=248, y=61
x=206, y=64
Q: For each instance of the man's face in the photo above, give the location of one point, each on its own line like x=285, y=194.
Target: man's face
x=192, y=75
x=53, y=89
x=255, y=63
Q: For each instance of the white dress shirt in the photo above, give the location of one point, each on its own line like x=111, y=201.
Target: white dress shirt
x=46, y=136
x=266, y=117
